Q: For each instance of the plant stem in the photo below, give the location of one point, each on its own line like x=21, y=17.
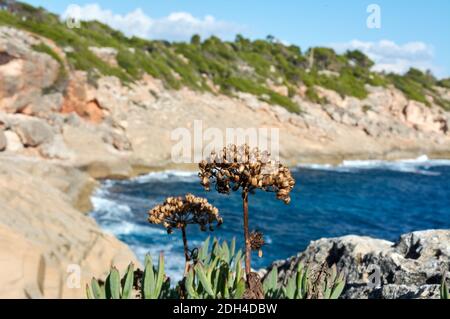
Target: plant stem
x=186, y=250
x=246, y=234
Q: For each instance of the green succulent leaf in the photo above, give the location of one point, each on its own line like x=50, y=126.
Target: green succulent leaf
x=89, y=293
x=128, y=284
x=160, y=277
x=113, y=284
x=337, y=291
x=204, y=280
x=444, y=290
x=149, y=279
x=97, y=291
x=189, y=284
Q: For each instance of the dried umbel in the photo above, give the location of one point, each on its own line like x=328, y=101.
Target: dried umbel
x=241, y=167
x=178, y=212
x=257, y=242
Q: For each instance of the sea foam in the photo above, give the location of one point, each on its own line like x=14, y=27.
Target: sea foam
x=420, y=165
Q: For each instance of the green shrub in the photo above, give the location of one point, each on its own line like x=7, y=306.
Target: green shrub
x=409, y=87
x=360, y=59
x=445, y=83
x=346, y=84
x=248, y=86
x=312, y=95
x=327, y=59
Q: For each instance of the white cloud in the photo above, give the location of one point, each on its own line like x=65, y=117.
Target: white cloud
x=392, y=57
x=176, y=26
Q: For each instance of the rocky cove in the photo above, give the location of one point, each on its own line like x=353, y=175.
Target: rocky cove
x=55, y=146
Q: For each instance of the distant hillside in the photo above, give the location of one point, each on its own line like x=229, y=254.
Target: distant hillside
x=265, y=68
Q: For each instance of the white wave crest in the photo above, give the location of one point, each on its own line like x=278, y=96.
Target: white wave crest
x=420, y=165
x=166, y=175
x=109, y=207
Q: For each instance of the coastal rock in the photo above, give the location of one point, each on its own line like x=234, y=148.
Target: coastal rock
x=410, y=268
x=3, y=140
x=48, y=249
x=422, y=117
x=77, y=100
x=56, y=149
x=13, y=142
x=43, y=106
x=106, y=54
x=32, y=132
x=24, y=72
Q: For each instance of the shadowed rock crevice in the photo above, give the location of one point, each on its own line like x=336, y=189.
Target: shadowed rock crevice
x=5, y=58
x=414, y=251
x=335, y=255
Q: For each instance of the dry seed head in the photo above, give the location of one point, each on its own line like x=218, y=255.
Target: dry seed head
x=178, y=212
x=241, y=167
x=256, y=240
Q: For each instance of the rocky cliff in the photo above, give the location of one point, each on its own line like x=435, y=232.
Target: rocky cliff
x=410, y=268
x=109, y=128
x=60, y=129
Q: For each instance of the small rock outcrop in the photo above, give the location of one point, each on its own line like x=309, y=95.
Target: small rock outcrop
x=411, y=268
x=25, y=73
x=33, y=132
x=106, y=54
x=3, y=141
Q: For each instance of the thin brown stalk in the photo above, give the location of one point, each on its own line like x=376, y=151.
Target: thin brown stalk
x=246, y=234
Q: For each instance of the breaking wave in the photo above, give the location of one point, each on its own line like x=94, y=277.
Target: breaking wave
x=420, y=165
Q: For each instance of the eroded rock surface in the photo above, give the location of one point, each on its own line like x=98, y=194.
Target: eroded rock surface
x=43, y=236
x=411, y=268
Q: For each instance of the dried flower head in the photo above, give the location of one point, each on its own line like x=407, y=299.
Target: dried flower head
x=241, y=167
x=256, y=240
x=178, y=212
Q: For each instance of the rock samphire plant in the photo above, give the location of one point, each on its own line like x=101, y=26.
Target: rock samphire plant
x=152, y=283
x=245, y=169
x=179, y=212
x=217, y=274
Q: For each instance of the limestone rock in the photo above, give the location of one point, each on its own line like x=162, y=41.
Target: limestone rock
x=108, y=55
x=423, y=117
x=43, y=106
x=24, y=72
x=44, y=239
x=77, y=100
x=410, y=268
x=56, y=149
x=33, y=132
x=3, y=140
x=13, y=142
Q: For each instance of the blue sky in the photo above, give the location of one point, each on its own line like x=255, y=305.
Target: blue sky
x=413, y=32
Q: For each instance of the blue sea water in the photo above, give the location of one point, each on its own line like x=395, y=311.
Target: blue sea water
x=370, y=198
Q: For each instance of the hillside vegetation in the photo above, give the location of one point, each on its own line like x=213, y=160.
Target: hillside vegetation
x=258, y=67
